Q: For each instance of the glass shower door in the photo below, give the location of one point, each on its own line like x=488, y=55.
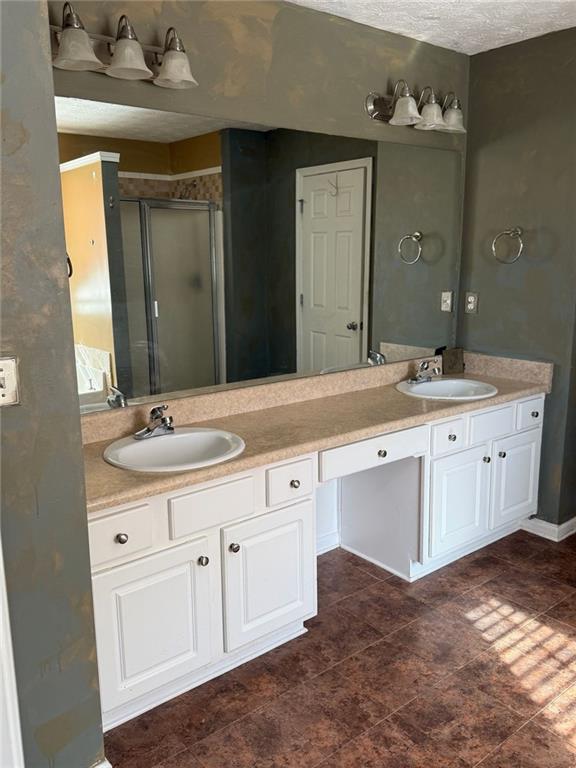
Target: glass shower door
x=181, y=294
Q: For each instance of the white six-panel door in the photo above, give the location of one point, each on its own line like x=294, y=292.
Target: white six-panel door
x=269, y=573
x=331, y=266
x=460, y=498
x=153, y=620
x=516, y=462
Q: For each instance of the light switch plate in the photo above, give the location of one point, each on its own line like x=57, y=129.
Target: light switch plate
x=9, y=394
x=447, y=301
x=471, y=303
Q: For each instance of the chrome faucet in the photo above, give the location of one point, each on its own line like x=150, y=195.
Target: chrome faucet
x=424, y=372
x=158, y=424
x=116, y=399
x=376, y=358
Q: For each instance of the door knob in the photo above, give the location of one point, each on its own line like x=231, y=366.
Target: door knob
x=295, y=484
x=121, y=538
x=234, y=548
x=203, y=560
x=352, y=326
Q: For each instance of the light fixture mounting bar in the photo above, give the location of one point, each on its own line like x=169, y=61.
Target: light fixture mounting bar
x=108, y=40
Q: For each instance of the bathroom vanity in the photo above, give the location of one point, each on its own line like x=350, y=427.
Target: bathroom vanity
x=194, y=576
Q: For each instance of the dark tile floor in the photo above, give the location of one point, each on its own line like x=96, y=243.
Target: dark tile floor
x=474, y=665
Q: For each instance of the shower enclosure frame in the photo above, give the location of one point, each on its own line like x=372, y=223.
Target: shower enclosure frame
x=145, y=205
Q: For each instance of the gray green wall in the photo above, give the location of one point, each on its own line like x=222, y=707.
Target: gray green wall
x=418, y=189
x=43, y=524
x=521, y=171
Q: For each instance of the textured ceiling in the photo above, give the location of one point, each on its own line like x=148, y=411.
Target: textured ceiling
x=95, y=118
x=468, y=26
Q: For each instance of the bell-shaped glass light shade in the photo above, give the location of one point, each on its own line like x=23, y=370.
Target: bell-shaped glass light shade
x=128, y=61
x=405, y=110
x=454, y=120
x=432, y=119
x=76, y=52
x=175, y=71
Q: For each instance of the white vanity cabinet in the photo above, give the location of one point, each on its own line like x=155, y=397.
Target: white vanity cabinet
x=192, y=583
x=154, y=619
x=269, y=573
x=460, y=486
x=515, y=467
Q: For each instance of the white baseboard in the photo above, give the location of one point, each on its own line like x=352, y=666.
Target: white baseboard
x=327, y=542
x=549, y=530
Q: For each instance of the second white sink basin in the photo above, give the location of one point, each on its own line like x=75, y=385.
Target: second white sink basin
x=184, y=449
x=448, y=389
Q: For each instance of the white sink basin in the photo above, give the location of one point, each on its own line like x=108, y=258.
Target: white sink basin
x=448, y=389
x=186, y=448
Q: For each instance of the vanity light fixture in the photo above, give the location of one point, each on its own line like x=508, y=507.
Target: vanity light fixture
x=75, y=51
x=405, y=107
x=396, y=109
x=432, y=119
x=128, y=57
x=453, y=117
x=175, y=68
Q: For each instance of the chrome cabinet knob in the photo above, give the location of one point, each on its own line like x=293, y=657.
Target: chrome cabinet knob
x=382, y=453
x=121, y=538
x=502, y=454
x=452, y=438
x=535, y=414
x=295, y=484
x=234, y=548
x=486, y=459
x=203, y=560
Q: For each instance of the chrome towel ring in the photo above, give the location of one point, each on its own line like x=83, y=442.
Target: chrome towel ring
x=415, y=237
x=515, y=232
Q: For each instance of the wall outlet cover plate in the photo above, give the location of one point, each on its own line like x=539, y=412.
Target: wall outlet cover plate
x=9, y=394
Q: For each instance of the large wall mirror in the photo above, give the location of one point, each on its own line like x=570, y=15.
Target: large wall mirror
x=204, y=253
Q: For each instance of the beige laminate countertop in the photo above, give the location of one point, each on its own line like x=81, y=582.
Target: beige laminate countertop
x=287, y=431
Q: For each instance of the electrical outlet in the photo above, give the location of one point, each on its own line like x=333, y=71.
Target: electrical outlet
x=447, y=301
x=9, y=381
x=471, y=303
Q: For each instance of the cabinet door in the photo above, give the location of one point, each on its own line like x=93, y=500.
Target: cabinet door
x=269, y=573
x=460, y=498
x=516, y=462
x=153, y=621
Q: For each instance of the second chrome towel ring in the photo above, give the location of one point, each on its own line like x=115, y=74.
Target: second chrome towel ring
x=415, y=237
x=516, y=233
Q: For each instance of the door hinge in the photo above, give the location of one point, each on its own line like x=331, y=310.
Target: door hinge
x=301, y=202
x=301, y=299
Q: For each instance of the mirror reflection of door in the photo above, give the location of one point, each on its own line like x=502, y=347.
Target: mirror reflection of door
x=332, y=264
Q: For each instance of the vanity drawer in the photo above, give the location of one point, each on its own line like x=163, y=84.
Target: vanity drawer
x=121, y=534
x=198, y=510
x=491, y=424
x=337, y=462
x=530, y=413
x=289, y=481
x=448, y=436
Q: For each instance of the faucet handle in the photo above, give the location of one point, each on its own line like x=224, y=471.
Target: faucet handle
x=157, y=411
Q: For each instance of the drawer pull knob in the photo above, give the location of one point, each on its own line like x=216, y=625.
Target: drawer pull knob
x=121, y=538
x=382, y=453
x=502, y=454
x=234, y=548
x=295, y=484
x=203, y=560
x=535, y=414
x=486, y=459
x=452, y=438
